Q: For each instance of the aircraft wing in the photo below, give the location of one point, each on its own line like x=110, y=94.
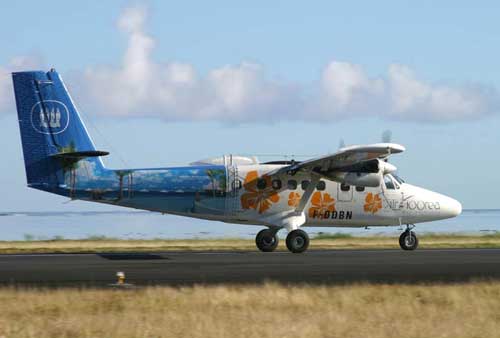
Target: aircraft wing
x=359, y=158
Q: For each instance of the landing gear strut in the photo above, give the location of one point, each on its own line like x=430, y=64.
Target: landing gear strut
x=267, y=240
x=297, y=241
x=408, y=240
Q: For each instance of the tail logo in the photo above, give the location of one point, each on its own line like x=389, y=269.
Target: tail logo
x=49, y=117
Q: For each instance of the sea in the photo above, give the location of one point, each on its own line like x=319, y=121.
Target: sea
x=24, y=225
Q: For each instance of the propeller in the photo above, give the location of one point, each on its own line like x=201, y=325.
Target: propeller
x=387, y=136
x=341, y=143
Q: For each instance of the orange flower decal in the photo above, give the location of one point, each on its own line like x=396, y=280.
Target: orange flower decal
x=321, y=204
x=255, y=198
x=293, y=199
x=373, y=203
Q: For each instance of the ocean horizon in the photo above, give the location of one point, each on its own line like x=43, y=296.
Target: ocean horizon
x=44, y=225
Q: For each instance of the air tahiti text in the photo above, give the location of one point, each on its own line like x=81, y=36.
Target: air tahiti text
x=413, y=205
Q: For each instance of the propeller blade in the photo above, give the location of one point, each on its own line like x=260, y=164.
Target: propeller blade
x=387, y=136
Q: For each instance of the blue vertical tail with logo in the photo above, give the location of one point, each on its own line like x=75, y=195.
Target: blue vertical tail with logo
x=52, y=133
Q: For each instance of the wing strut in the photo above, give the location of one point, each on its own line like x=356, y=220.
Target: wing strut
x=307, y=194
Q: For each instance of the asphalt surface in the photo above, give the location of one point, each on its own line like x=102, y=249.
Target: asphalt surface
x=313, y=267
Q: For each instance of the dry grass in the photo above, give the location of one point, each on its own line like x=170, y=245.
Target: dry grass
x=323, y=242
x=115, y=245
x=468, y=310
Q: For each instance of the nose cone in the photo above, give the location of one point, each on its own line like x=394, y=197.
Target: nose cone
x=450, y=207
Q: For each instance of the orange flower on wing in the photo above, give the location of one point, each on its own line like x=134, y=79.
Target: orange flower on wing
x=373, y=203
x=293, y=199
x=255, y=198
x=321, y=203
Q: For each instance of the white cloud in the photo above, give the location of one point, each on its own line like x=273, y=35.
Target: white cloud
x=175, y=91
x=140, y=86
x=346, y=91
x=414, y=99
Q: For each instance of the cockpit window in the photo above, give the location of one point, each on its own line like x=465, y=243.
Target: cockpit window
x=389, y=184
x=398, y=179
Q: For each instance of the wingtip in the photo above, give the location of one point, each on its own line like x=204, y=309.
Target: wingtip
x=393, y=147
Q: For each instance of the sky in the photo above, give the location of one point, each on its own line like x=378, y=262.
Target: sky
x=166, y=83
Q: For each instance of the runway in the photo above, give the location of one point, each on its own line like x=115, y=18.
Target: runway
x=187, y=268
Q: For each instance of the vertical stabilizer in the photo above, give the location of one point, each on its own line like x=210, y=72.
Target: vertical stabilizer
x=50, y=127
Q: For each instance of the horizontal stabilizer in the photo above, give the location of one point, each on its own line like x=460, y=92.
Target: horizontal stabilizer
x=77, y=155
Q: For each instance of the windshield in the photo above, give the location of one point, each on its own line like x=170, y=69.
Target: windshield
x=398, y=179
x=389, y=184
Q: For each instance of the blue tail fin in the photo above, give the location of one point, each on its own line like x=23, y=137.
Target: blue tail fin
x=52, y=133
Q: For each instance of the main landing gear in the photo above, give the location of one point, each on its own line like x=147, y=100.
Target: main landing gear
x=297, y=241
x=267, y=240
x=408, y=240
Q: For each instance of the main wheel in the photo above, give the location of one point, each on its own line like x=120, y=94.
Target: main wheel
x=297, y=241
x=408, y=241
x=267, y=240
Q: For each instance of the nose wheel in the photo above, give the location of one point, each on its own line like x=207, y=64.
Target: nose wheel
x=408, y=241
x=267, y=240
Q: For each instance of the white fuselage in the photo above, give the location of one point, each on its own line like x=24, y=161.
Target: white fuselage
x=337, y=205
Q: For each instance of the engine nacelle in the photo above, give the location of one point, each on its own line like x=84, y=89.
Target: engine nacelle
x=359, y=179
x=371, y=178
x=367, y=174
x=386, y=168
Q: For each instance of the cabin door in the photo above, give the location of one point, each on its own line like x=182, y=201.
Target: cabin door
x=233, y=186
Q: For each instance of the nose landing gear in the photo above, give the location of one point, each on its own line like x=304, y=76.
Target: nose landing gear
x=408, y=241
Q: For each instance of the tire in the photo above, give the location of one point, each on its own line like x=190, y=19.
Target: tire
x=408, y=241
x=297, y=241
x=267, y=240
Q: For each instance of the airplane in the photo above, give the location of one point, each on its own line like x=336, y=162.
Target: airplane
x=353, y=187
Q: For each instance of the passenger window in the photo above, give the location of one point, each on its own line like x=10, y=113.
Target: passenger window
x=261, y=184
x=321, y=186
x=345, y=187
x=304, y=184
x=276, y=184
x=292, y=184
x=388, y=182
x=360, y=189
